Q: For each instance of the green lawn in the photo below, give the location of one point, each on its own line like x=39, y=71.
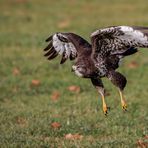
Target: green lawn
x=29, y=109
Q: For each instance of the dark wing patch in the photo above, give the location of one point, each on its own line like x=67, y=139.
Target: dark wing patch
x=49, y=39
x=130, y=51
x=48, y=47
x=49, y=52
x=59, y=44
x=52, y=55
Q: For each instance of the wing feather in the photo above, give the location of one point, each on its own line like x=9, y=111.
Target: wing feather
x=49, y=52
x=118, y=39
x=64, y=58
x=48, y=47
x=53, y=55
x=60, y=44
x=49, y=38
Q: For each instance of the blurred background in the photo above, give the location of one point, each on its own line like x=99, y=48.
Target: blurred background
x=42, y=104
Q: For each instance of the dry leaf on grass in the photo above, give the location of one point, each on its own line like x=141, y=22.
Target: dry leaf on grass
x=22, y=122
x=73, y=136
x=133, y=65
x=74, y=88
x=64, y=24
x=142, y=144
x=55, y=95
x=35, y=82
x=16, y=71
x=55, y=125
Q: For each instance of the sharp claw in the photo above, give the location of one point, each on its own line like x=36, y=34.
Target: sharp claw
x=124, y=107
x=106, y=114
x=105, y=110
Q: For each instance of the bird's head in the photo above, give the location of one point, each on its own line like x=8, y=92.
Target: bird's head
x=79, y=70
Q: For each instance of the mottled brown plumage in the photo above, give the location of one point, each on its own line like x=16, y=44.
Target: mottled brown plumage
x=100, y=58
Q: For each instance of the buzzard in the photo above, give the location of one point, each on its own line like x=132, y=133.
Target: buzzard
x=101, y=57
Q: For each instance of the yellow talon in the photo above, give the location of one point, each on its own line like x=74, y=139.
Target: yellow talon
x=105, y=110
x=124, y=106
x=104, y=106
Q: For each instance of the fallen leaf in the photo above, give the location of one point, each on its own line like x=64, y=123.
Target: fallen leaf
x=16, y=71
x=55, y=95
x=74, y=88
x=73, y=136
x=22, y=122
x=142, y=144
x=133, y=65
x=35, y=82
x=55, y=125
x=64, y=24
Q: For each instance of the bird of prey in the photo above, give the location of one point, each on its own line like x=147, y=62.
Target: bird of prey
x=101, y=58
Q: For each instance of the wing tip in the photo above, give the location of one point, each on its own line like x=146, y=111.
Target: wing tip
x=53, y=55
x=49, y=46
x=63, y=60
x=49, y=38
x=49, y=52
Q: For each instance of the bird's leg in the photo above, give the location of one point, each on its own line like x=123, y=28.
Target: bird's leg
x=123, y=102
x=100, y=88
x=105, y=108
x=119, y=81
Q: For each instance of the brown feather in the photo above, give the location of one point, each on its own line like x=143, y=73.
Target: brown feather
x=63, y=60
x=50, y=52
x=49, y=38
x=48, y=47
x=71, y=57
x=53, y=55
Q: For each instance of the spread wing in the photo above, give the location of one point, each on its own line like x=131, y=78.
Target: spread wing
x=66, y=44
x=119, y=39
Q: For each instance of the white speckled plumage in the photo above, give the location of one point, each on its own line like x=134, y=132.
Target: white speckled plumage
x=102, y=57
x=109, y=46
x=61, y=47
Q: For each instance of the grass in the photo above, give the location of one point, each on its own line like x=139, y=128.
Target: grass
x=27, y=112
